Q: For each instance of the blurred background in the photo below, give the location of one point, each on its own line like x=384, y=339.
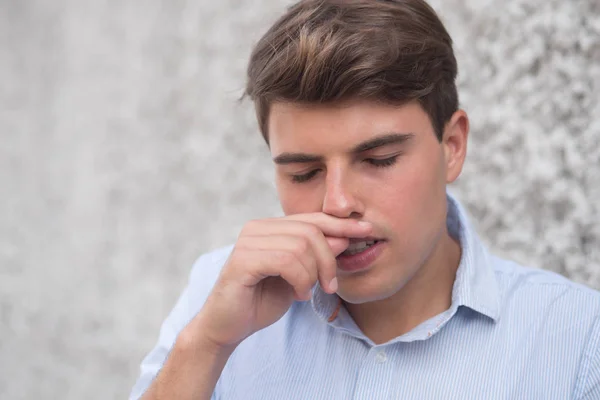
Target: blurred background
x=124, y=155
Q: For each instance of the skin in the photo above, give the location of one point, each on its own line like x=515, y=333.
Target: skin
x=412, y=279
x=342, y=197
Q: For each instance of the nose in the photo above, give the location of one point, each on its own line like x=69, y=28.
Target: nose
x=341, y=197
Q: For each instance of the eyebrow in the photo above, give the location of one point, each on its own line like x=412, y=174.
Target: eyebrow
x=383, y=140
x=379, y=141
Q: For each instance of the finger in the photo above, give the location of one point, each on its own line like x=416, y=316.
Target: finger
x=337, y=245
x=326, y=264
x=296, y=244
x=327, y=224
x=333, y=226
x=311, y=226
x=266, y=239
x=265, y=263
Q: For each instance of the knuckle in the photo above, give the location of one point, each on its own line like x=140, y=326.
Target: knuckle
x=250, y=226
x=303, y=279
x=313, y=230
x=284, y=258
x=327, y=265
x=313, y=272
x=301, y=245
x=331, y=265
x=243, y=245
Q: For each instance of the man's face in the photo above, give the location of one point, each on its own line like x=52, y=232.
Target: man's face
x=378, y=163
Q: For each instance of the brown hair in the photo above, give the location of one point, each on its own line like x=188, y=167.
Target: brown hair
x=327, y=51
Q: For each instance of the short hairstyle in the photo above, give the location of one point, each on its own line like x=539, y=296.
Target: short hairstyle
x=329, y=51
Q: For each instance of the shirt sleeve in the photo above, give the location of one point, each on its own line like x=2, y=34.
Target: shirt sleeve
x=591, y=367
x=155, y=359
x=202, y=278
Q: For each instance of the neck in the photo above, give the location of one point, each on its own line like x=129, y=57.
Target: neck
x=426, y=295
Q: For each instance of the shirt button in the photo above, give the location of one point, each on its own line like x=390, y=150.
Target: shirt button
x=381, y=357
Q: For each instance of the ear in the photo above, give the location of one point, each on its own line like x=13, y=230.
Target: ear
x=454, y=143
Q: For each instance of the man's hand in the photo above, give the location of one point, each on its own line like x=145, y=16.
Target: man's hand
x=273, y=263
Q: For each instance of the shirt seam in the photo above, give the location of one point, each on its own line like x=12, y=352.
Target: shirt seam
x=587, y=359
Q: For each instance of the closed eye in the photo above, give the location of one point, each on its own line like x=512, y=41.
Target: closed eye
x=375, y=162
x=383, y=162
x=305, y=177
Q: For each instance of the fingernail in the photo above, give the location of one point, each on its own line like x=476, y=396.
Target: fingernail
x=333, y=285
x=364, y=224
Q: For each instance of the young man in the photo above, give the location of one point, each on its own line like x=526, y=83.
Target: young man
x=374, y=285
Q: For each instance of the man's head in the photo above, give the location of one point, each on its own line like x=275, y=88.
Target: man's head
x=324, y=52
x=358, y=103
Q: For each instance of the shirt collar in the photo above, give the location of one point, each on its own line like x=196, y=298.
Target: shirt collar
x=475, y=285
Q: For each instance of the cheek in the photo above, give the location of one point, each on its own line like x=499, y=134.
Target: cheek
x=295, y=199
x=415, y=192
x=426, y=177
x=288, y=202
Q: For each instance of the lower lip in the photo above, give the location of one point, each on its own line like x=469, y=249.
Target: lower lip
x=362, y=260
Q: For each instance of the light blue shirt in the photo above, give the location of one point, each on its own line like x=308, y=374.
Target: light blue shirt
x=511, y=333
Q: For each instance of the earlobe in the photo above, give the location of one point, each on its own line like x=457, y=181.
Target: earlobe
x=455, y=144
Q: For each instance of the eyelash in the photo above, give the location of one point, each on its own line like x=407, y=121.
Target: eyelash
x=386, y=162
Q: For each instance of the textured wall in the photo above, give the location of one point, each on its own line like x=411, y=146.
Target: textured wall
x=124, y=155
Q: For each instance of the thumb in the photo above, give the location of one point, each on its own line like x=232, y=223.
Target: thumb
x=337, y=244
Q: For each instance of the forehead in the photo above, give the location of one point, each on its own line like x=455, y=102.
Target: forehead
x=322, y=128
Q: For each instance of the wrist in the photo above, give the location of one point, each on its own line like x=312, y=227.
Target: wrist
x=192, y=369
x=193, y=340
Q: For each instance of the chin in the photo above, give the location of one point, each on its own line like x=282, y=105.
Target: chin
x=367, y=293
x=381, y=282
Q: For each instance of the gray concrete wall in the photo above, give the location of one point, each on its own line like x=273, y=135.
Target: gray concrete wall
x=124, y=155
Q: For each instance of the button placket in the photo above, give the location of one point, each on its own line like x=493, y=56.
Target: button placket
x=376, y=364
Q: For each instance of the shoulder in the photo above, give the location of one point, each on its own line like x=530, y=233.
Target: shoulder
x=516, y=276
x=533, y=290
x=562, y=315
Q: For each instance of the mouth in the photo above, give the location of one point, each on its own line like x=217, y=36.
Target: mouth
x=358, y=246
x=361, y=254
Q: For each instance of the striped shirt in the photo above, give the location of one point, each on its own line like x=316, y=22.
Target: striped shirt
x=511, y=332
